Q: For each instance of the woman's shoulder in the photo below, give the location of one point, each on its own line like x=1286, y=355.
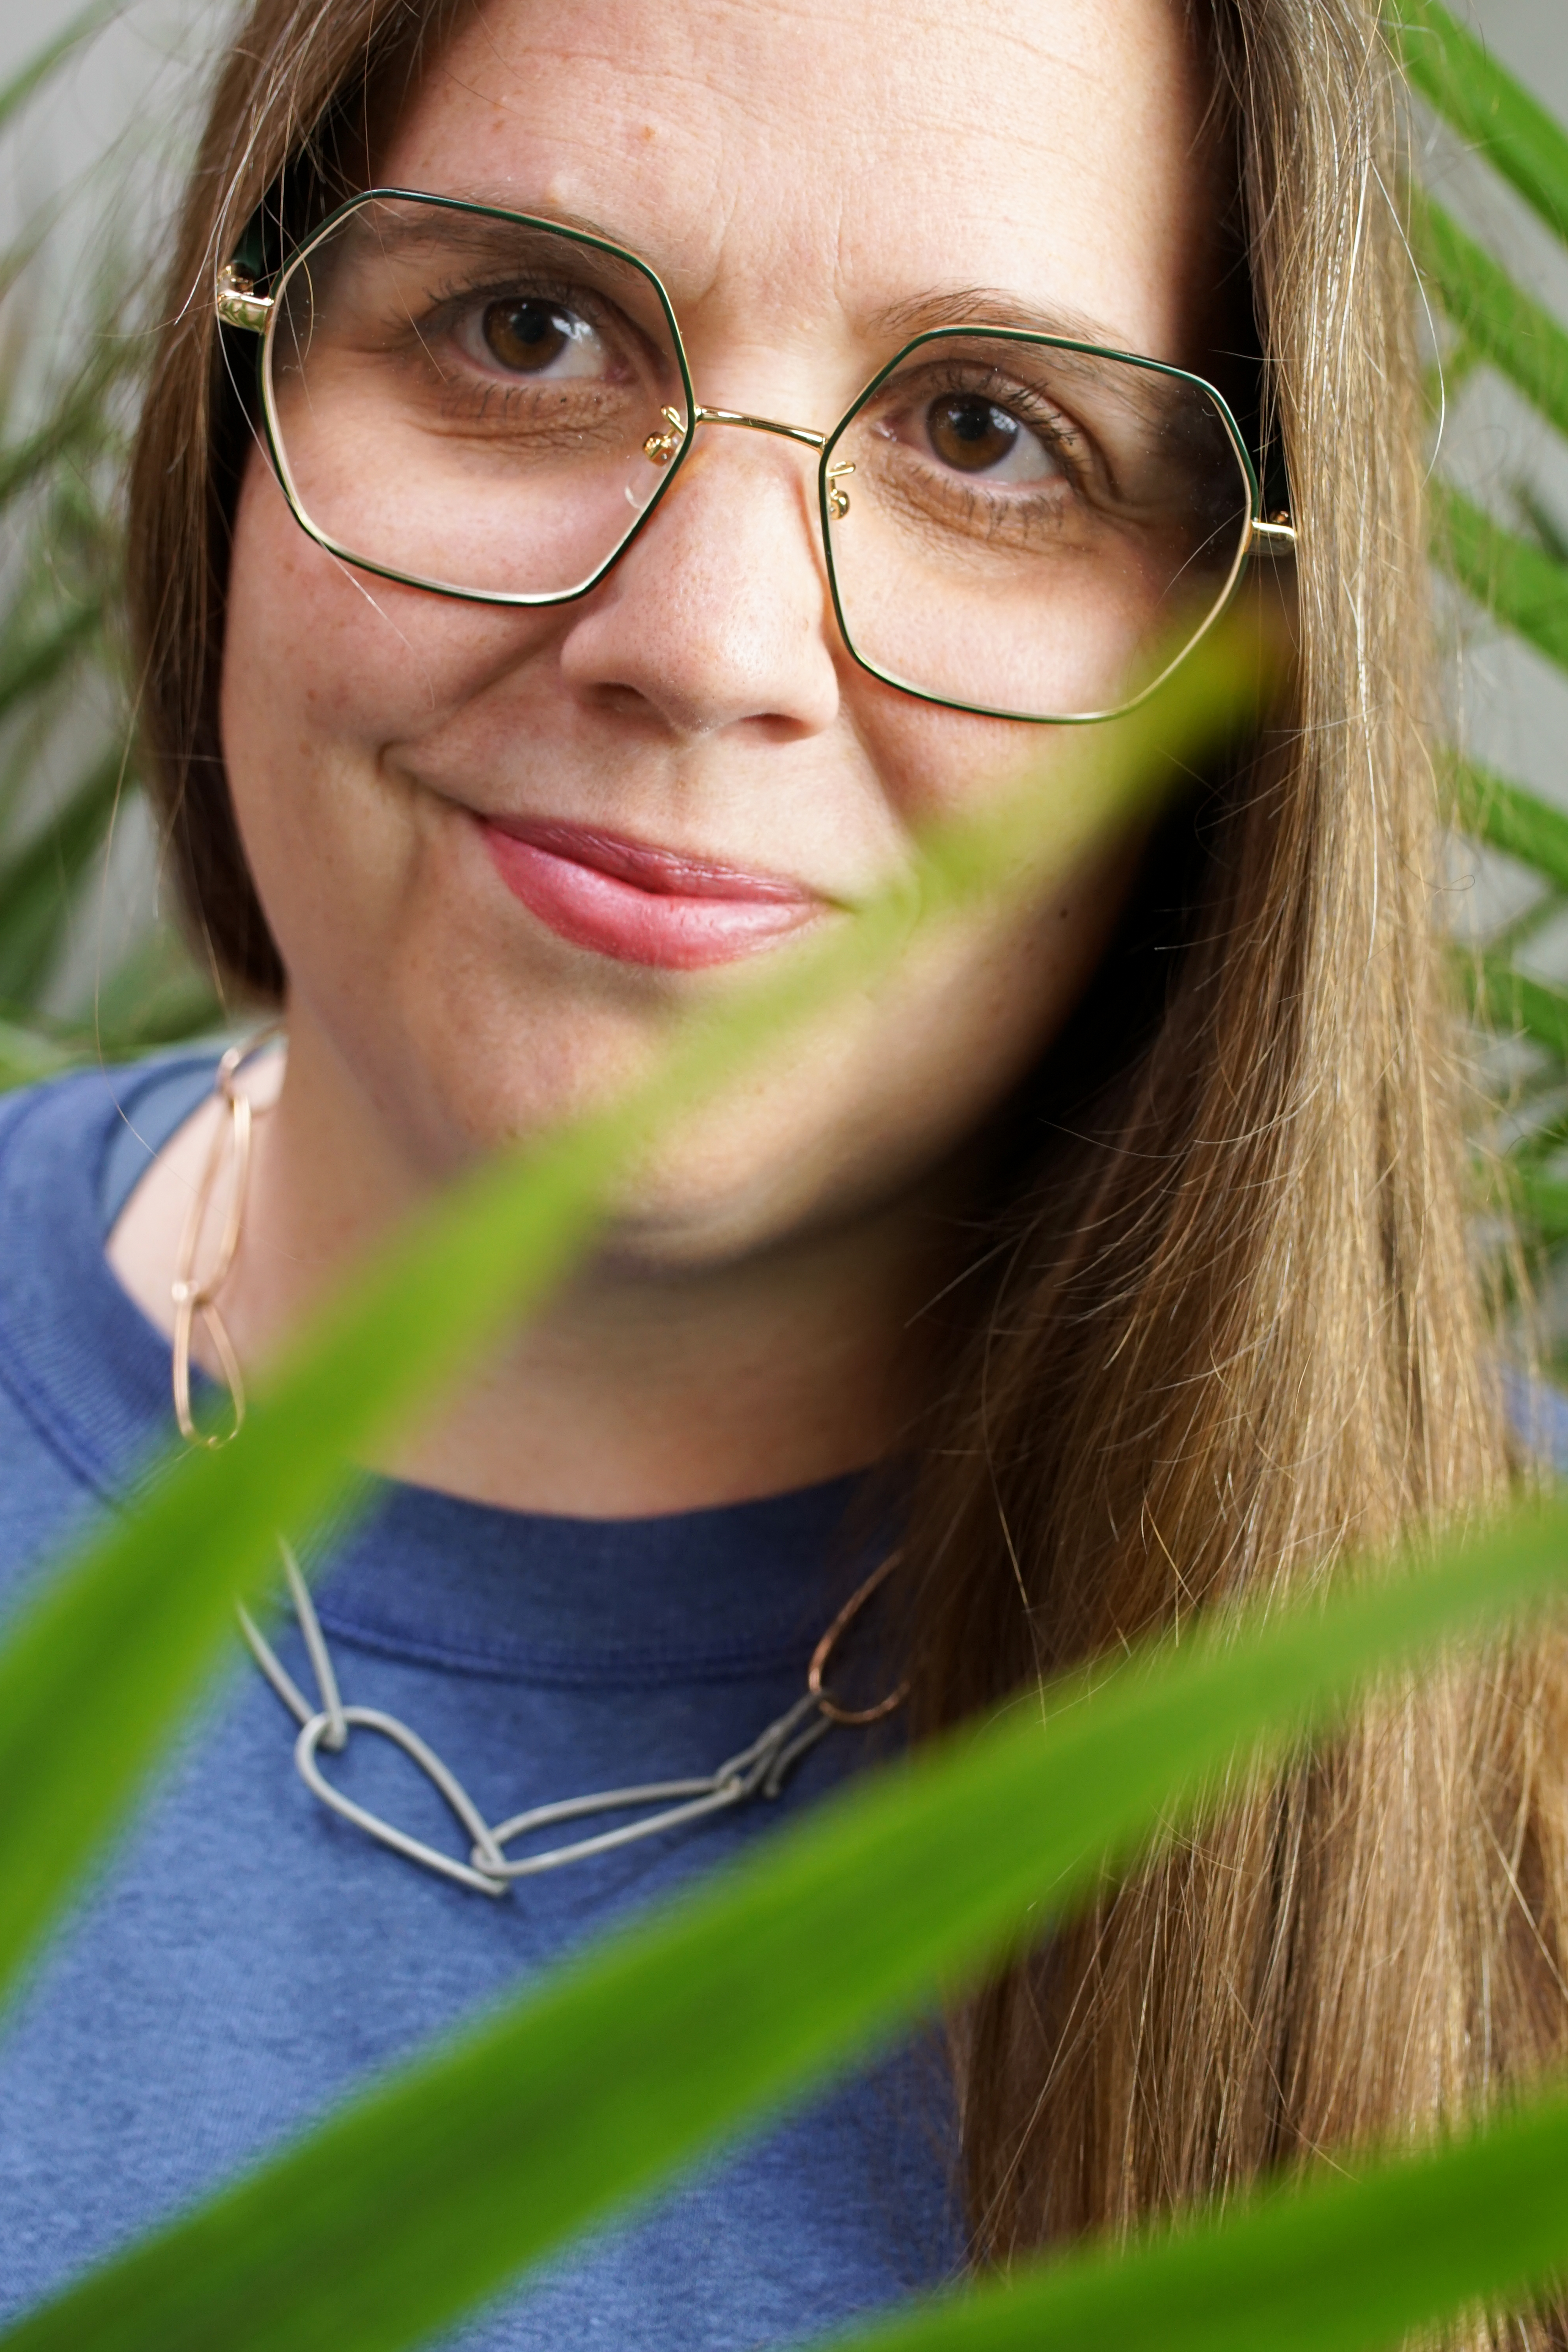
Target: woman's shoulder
x=92, y=1133
x=83, y=1375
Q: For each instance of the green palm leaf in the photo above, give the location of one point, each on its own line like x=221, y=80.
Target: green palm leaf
x=1512, y=1000
x=37, y=656
x=1348, y=2265
x=1543, y=1203
x=1500, y=323
x=120, y=1645
x=25, y=1056
x=77, y=425
x=1509, y=817
x=1458, y=76
x=37, y=885
x=417, y=2200
x=1520, y=583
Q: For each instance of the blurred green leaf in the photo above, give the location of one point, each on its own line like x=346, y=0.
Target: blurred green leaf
x=1518, y=583
x=410, y=2204
x=1508, y=999
x=1549, y=532
x=1347, y=2264
x=25, y=1056
x=154, y=997
x=39, y=885
x=121, y=1644
x=77, y=424
x=34, y=659
x=417, y=2199
x=1462, y=81
x=1543, y=1203
x=1498, y=319
x=1509, y=817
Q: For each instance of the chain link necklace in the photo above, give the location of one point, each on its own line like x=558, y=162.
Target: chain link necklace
x=759, y=1770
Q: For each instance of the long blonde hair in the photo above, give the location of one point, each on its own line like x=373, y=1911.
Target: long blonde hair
x=1239, y=1333
x=1233, y=1328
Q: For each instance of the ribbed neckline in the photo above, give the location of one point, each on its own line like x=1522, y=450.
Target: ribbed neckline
x=694, y=1596
x=463, y=1587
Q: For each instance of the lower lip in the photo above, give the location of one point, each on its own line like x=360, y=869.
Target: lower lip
x=673, y=929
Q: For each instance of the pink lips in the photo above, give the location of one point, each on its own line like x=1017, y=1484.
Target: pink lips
x=640, y=904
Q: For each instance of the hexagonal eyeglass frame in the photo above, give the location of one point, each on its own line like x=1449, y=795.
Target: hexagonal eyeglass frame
x=256, y=301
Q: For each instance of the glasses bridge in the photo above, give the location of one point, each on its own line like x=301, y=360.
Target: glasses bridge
x=660, y=448
x=800, y=433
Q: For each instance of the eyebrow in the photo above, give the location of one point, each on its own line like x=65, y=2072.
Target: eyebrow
x=992, y=305
x=469, y=219
x=895, y=322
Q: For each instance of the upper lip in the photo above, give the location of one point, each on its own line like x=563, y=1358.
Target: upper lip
x=650, y=865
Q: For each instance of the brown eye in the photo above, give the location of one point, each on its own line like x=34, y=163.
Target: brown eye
x=969, y=433
x=532, y=336
x=526, y=337
x=974, y=435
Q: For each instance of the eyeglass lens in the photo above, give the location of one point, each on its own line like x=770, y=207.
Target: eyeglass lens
x=464, y=400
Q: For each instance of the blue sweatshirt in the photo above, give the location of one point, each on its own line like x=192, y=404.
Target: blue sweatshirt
x=246, y=1959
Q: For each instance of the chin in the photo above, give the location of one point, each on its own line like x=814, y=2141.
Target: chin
x=720, y=1184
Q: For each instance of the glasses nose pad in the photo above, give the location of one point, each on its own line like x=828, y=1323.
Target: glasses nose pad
x=660, y=448
x=657, y=451
x=639, y=489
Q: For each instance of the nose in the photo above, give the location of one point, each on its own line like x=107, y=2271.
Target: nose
x=718, y=613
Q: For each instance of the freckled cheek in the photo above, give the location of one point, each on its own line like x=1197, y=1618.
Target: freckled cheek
x=331, y=663
x=310, y=697
x=935, y=763
x=1018, y=971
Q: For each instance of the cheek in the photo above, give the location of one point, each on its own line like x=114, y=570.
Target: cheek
x=934, y=763
x=317, y=656
x=303, y=676
x=324, y=671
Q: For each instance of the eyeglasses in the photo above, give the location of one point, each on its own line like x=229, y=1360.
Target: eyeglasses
x=490, y=406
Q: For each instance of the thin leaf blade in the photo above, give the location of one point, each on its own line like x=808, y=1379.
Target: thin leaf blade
x=1346, y=2266
x=1518, y=583
x=1498, y=320
x=426, y=2194
x=123, y=1642
x=1509, y=816
x=1512, y=1000
x=1461, y=79
x=40, y=884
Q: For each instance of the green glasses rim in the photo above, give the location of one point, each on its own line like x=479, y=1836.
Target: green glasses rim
x=505, y=598
x=1240, y=561
x=241, y=305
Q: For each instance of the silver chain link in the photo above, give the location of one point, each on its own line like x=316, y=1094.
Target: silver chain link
x=759, y=1771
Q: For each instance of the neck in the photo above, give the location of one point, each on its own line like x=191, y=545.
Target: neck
x=643, y=1387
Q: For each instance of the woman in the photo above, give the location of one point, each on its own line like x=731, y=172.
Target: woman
x=509, y=692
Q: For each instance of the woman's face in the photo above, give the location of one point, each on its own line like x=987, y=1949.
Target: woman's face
x=806, y=182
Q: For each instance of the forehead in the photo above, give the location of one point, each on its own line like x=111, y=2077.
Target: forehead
x=809, y=164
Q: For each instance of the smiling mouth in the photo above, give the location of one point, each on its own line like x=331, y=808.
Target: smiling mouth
x=641, y=904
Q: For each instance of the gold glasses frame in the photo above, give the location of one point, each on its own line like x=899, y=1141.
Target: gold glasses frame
x=242, y=304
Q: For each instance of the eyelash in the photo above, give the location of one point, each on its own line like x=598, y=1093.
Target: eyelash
x=471, y=396
x=1061, y=435
x=444, y=306
x=1065, y=440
